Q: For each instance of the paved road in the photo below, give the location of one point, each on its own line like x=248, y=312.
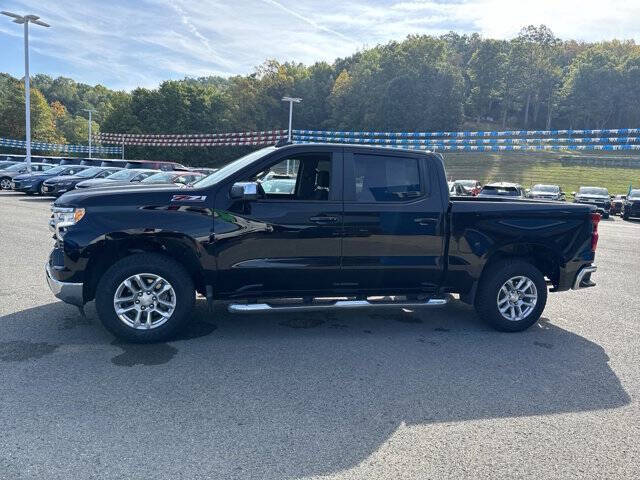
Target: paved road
x=425, y=394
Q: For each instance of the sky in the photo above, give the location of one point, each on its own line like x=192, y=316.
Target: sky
x=125, y=44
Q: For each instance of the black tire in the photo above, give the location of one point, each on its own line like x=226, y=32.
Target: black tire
x=605, y=215
x=625, y=216
x=150, y=263
x=41, y=189
x=492, y=281
x=5, y=183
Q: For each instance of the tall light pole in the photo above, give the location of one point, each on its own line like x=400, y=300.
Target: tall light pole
x=291, y=101
x=90, y=112
x=26, y=19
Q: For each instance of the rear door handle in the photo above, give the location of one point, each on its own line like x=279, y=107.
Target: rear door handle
x=425, y=221
x=323, y=219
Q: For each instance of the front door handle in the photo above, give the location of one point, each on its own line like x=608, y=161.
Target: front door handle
x=321, y=219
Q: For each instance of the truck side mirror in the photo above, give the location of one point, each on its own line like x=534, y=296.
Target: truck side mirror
x=244, y=191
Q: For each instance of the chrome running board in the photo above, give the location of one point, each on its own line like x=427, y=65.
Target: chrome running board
x=583, y=279
x=334, y=305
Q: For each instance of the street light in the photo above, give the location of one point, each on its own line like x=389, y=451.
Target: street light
x=90, y=112
x=26, y=19
x=291, y=101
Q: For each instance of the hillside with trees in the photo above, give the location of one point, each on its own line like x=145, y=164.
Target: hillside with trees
x=423, y=83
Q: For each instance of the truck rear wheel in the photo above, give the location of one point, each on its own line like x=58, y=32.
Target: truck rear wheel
x=511, y=296
x=145, y=298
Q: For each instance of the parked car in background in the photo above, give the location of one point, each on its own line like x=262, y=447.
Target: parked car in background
x=547, y=192
x=597, y=196
x=32, y=183
x=206, y=171
x=631, y=206
x=502, y=189
x=278, y=183
x=456, y=189
x=154, y=165
x=6, y=164
x=8, y=174
x=122, y=177
x=616, y=204
x=471, y=187
x=58, y=185
x=184, y=178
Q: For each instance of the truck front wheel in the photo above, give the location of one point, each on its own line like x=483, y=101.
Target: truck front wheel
x=511, y=296
x=145, y=298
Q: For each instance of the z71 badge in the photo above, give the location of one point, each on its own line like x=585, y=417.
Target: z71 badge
x=188, y=198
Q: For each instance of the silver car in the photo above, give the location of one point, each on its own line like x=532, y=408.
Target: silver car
x=8, y=174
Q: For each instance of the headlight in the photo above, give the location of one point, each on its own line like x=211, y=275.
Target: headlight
x=67, y=216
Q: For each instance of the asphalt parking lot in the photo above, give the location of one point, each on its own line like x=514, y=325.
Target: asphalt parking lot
x=391, y=394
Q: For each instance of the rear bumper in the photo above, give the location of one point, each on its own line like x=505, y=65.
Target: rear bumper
x=67, y=292
x=583, y=278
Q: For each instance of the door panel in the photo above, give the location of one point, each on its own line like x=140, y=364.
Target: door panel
x=286, y=242
x=395, y=244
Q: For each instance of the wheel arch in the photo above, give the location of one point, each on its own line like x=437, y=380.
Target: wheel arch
x=541, y=256
x=111, y=248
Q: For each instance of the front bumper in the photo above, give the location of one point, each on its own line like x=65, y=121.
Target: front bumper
x=67, y=292
x=56, y=190
x=21, y=187
x=601, y=207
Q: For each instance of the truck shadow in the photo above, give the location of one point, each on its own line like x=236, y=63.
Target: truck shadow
x=298, y=395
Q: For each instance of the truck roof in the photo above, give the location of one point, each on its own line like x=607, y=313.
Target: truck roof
x=355, y=146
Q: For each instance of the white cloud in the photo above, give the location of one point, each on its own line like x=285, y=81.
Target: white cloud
x=126, y=43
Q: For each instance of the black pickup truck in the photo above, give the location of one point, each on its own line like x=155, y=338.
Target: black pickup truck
x=358, y=227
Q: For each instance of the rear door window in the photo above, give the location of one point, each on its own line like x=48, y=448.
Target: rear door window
x=386, y=178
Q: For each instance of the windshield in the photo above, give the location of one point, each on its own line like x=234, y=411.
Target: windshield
x=545, y=188
x=162, y=177
x=501, y=191
x=635, y=194
x=6, y=165
x=89, y=172
x=594, y=191
x=58, y=169
x=123, y=175
x=232, y=167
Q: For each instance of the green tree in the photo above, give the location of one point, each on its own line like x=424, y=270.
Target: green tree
x=12, y=117
x=593, y=89
x=486, y=75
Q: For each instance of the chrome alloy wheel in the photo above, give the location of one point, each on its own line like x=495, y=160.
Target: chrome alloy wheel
x=517, y=298
x=144, y=301
x=5, y=184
